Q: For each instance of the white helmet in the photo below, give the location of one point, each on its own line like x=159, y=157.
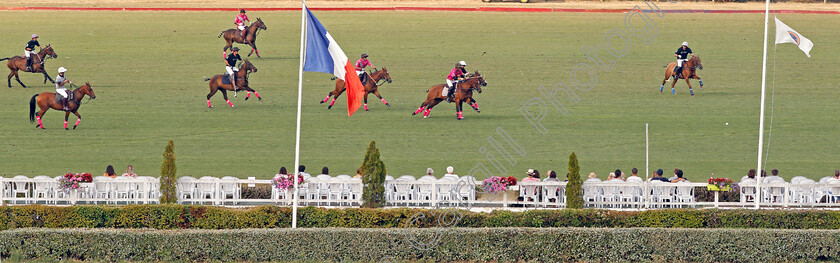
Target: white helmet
x=462, y=63
x=685, y=43
x=62, y=70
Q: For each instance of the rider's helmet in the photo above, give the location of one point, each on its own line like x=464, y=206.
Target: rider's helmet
x=62, y=70
x=242, y=11
x=685, y=43
x=234, y=49
x=34, y=35
x=364, y=55
x=462, y=63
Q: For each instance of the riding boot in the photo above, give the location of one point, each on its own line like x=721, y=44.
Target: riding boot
x=29, y=64
x=66, y=104
x=245, y=37
x=233, y=81
x=677, y=71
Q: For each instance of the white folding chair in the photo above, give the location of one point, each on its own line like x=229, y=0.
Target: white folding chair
x=229, y=187
x=684, y=193
x=748, y=191
x=403, y=191
x=186, y=189
x=43, y=188
x=21, y=186
x=591, y=192
x=206, y=188
x=423, y=190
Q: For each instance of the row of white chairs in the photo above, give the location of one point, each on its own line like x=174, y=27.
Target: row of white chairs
x=450, y=190
x=47, y=190
x=800, y=191
x=325, y=190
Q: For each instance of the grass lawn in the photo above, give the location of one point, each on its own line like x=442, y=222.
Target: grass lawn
x=147, y=69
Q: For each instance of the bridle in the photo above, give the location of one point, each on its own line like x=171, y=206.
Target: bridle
x=380, y=78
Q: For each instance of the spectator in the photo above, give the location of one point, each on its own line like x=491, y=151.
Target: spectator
x=358, y=173
x=611, y=176
x=774, y=175
x=450, y=172
x=536, y=174
x=592, y=178
x=751, y=174
x=552, y=177
x=325, y=170
x=109, y=172
x=635, y=176
x=618, y=174
x=430, y=172
x=567, y=177
x=836, y=174
x=658, y=176
x=679, y=174
x=675, y=175
x=530, y=176
x=592, y=175
x=129, y=171
x=282, y=172
x=302, y=171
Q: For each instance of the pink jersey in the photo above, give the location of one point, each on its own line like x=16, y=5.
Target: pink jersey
x=240, y=19
x=362, y=63
x=456, y=72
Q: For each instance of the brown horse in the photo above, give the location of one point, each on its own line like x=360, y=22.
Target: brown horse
x=46, y=100
x=463, y=93
x=241, y=83
x=18, y=63
x=234, y=35
x=371, y=86
x=689, y=71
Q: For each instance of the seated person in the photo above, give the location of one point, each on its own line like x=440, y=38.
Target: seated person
x=552, y=177
x=129, y=171
x=679, y=174
x=657, y=176
x=109, y=172
x=530, y=176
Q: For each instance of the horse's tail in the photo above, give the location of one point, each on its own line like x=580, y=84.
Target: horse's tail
x=32, y=108
x=333, y=78
x=220, y=34
x=427, y=91
x=666, y=65
x=206, y=79
x=1, y=59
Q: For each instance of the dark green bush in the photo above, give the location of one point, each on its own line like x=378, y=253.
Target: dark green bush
x=454, y=244
x=212, y=217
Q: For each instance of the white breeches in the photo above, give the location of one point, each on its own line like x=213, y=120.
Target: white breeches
x=28, y=52
x=680, y=62
x=360, y=72
x=448, y=83
x=241, y=27
x=230, y=70
x=62, y=92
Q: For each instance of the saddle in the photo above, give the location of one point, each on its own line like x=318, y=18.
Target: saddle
x=70, y=96
x=226, y=78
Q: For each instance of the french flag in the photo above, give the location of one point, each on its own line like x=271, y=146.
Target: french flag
x=324, y=55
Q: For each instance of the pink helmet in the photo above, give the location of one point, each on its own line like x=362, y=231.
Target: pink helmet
x=34, y=35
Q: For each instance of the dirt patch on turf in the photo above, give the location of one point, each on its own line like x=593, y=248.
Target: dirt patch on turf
x=411, y=3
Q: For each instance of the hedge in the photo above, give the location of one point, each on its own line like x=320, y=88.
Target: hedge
x=453, y=244
x=211, y=217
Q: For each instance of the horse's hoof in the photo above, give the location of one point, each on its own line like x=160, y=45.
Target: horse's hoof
x=329, y=107
x=478, y=111
x=66, y=129
x=412, y=114
x=322, y=102
x=74, y=127
x=210, y=107
x=246, y=98
x=259, y=98
x=425, y=117
x=387, y=104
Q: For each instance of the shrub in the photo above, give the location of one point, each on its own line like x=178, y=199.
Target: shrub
x=168, y=194
x=373, y=178
x=574, y=191
x=454, y=244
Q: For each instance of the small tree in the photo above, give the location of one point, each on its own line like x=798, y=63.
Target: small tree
x=373, y=177
x=168, y=193
x=574, y=194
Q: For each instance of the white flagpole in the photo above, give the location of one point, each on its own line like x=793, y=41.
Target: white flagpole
x=647, y=164
x=300, y=99
x=761, y=118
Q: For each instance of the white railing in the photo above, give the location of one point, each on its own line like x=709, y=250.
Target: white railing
x=343, y=191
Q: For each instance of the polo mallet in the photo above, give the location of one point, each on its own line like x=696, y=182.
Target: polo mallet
x=477, y=61
x=233, y=80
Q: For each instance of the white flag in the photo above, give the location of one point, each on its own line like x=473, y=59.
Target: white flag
x=785, y=34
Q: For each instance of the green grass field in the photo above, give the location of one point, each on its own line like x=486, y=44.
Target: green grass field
x=147, y=70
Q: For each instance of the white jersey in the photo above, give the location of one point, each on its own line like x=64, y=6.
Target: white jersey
x=59, y=83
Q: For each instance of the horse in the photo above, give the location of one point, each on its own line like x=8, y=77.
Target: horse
x=689, y=71
x=463, y=93
x=241, y=83
x=46, y=100
x=18, y=63
x=232, y=35
x=371, y=86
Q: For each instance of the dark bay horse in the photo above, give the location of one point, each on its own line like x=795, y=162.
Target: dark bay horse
x=241, y=83
x=233, y=35
x=689, y=71
x=46, y=100
x=372, y=86
x=18, y=63
x=463, y=93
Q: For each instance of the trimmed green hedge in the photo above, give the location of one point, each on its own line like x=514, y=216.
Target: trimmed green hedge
x=210, y=217
x=454, y=244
